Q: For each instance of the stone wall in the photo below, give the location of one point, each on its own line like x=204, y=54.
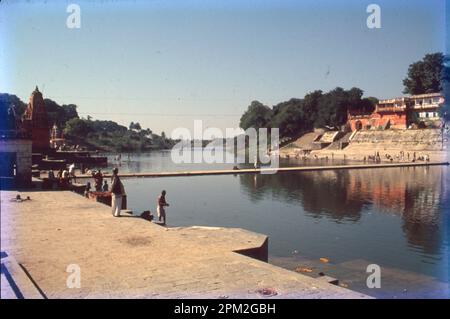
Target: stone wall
x=22, y=149
x=420, y=139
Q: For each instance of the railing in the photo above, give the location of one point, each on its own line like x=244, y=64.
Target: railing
x=425, y=106
x=379, y=109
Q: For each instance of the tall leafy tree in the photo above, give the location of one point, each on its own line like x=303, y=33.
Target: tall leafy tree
x=60, y=114
x=289, y=117
x=257, y=116
x=316, y=109
x=427, y=75
x=78, y=128
x=8, y=100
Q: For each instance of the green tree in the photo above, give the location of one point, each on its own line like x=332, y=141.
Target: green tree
x=332, y=107
x=135, y=126
x=78, y=128
x=59, y=114
x=315, y=110
x=289, y=117
x=427, y=75
x=311, y=105
x=108, y=126
x=7, y=100
x=257, y=116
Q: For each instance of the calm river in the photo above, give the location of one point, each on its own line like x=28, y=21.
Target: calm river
x=397, y=218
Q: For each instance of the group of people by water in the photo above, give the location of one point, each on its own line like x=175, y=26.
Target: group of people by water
x=63, y=178
x=66, y=177
x=117, y=191
x=100, y=185
x=401, y=156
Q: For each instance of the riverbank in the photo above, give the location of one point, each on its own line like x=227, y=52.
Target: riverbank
x=129, y=257
x=364, y=155
x=270, y=170
x=393, y=146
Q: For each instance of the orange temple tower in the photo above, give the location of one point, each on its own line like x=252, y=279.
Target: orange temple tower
x=35, y=120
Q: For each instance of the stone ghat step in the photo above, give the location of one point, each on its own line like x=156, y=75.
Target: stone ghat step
x=15, y=282
x=270, y=170
x=132, y=258
x=411, y=148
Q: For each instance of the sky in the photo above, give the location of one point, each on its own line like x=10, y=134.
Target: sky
x=165, y=64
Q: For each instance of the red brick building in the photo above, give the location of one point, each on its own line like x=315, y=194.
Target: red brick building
x=392, y=113
x=399, y=113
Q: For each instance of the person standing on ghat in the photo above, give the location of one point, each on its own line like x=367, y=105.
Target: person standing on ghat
x=117, y=192
x=160, y=209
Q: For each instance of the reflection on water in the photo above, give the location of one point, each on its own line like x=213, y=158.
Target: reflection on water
x=415, y=194
x=397, y=218
x=158, y=161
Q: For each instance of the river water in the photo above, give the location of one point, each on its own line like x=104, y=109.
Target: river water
x=396, y=218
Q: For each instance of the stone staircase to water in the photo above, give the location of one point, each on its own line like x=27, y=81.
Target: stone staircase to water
x=419, y=140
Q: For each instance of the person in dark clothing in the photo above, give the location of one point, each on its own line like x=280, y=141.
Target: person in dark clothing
x=117, y=192
x=161, y=207
x=87, y=189
x=98, y=180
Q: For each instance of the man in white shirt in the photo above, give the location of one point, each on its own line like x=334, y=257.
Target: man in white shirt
x=72, y=172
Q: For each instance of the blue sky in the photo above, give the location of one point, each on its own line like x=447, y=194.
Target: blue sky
x=166, y=63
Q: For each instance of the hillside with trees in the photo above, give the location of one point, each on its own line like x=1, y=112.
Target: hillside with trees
x=429, y=75
x=107, y=136
x=110, y=136
x=318, y=109
x=315, y=109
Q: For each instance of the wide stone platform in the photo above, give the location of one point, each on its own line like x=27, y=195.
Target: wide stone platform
x=131, y=257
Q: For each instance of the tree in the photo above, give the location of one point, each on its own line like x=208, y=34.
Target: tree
x=78, y=128
x=332, y=108
x=148, y=131
x=135, y=126
x=311, y=105
x=69, y=112
x=7, y=100
x=315, y=110
x=107, y=126
x=59, y=114
x=257, y=116
x=289, y=117
x=427, y=75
